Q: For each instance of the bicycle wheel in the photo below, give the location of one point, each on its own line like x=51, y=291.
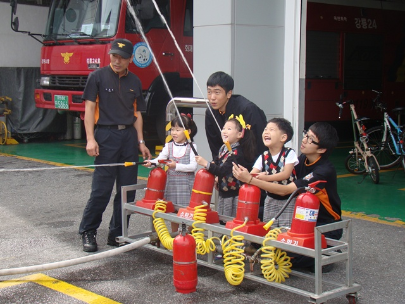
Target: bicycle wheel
x=3, y=133
x=383, y=151
x=373, y=169
x=355, y=164
x=403, y=151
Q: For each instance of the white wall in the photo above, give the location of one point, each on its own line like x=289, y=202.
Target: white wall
x=257, y=42
x=16, y=49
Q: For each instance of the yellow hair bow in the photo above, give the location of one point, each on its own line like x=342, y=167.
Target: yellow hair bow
x=241, y=121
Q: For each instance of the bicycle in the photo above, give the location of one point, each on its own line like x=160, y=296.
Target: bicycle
x=360, y=159
x=387, y=140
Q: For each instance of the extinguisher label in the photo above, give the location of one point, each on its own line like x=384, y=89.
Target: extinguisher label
x=306, y=214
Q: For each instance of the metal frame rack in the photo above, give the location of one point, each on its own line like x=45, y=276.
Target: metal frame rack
x=337, y=251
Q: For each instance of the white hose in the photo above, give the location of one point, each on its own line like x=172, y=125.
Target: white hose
x=93, y=257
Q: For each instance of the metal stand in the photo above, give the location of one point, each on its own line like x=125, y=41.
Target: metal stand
x=337, y=251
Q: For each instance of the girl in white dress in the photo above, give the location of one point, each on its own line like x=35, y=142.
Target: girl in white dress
x=180, y=161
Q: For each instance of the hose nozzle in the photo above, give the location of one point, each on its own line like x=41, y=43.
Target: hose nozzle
x=268, y=225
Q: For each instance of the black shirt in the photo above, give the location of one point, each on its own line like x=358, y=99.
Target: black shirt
x=323, y=169
x=118, y=97
x=228, y=185
x=236, y=105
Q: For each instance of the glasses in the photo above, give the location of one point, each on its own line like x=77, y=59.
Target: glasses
x=309, y=139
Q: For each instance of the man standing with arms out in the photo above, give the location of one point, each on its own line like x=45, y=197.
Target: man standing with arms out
x=223, y=103
x=113, y=122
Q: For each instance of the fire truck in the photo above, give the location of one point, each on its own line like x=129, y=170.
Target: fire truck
x=352, y=48
x=78, y=37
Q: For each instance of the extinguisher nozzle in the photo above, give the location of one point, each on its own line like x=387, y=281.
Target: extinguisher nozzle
x=268, y=225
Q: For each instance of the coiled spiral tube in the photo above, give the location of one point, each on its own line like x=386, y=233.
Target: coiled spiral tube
x=272, y=256
x=234, y=264
x=160, y=226
x=203, y=246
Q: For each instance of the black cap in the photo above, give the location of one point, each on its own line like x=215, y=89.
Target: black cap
x=122, y=47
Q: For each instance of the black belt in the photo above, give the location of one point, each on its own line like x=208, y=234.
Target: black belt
x=115, y=127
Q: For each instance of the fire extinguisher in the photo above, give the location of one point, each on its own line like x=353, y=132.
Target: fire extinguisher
x=184, y=262
x=248, y=207
x=304, y=219
x=155, y=190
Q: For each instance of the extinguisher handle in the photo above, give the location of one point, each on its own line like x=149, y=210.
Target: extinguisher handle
x=313, y=185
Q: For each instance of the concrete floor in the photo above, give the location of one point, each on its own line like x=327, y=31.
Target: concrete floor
x=40, y=212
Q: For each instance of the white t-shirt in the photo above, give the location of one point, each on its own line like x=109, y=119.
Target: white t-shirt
x=178, y=151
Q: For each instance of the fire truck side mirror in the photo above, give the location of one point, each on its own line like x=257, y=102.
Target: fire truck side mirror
x=13, y=4
x=146, y=10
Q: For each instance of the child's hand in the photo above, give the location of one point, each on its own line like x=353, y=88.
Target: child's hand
x=171, y=164
x=262, y=176
x=147, y=164
x=201, y=161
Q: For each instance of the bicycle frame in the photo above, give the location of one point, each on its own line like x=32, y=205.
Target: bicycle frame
x=362, y=137
x=388, y=121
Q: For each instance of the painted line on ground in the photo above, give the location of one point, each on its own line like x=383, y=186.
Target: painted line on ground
x=362, y=216
x=60, y=286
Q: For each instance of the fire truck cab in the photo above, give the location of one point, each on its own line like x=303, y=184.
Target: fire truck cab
x=77, y=39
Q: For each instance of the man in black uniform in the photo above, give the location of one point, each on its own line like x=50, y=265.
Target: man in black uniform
x=223, y=104
x=113, y=97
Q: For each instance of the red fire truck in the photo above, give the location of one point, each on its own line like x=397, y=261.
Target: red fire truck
x=78, y=36
x=353, y=48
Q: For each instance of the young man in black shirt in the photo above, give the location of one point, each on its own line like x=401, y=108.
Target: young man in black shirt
x=223, y=104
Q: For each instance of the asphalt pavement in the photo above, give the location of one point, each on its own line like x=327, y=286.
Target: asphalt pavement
x=40, y=212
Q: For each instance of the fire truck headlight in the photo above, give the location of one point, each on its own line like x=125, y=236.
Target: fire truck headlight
x=45, y=81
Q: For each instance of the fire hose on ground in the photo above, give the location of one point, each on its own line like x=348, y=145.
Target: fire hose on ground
x=77, y=261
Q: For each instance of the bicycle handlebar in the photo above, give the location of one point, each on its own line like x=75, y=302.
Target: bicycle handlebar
x=377, y=103
x=341, y=103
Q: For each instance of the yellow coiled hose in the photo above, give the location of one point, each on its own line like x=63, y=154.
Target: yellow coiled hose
x=160, y=225
x=272, y=256
x=234, y=264
x=203, y=246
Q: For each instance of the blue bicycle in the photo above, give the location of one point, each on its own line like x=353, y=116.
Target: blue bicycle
x=386, y=141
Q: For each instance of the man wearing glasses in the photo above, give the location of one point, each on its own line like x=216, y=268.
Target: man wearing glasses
x=314, y=165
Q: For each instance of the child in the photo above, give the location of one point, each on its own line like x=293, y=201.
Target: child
x=277, y=165
x=181, y=163
x=242, y=142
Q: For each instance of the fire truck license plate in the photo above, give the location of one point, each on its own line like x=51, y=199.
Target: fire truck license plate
x=61, y=102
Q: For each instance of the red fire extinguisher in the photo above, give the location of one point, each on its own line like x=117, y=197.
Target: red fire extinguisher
x=184, y=262
x=304, y=220
x=248, y=207
x=201, y=193
x=155, y=190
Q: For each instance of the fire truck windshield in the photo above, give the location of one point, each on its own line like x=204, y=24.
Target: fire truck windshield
x=76, y=19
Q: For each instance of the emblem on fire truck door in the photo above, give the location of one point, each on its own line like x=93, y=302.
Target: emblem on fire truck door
x=66, y=57
x=142, y=55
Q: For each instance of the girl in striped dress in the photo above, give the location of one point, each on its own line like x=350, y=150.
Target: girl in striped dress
x=180, y=161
